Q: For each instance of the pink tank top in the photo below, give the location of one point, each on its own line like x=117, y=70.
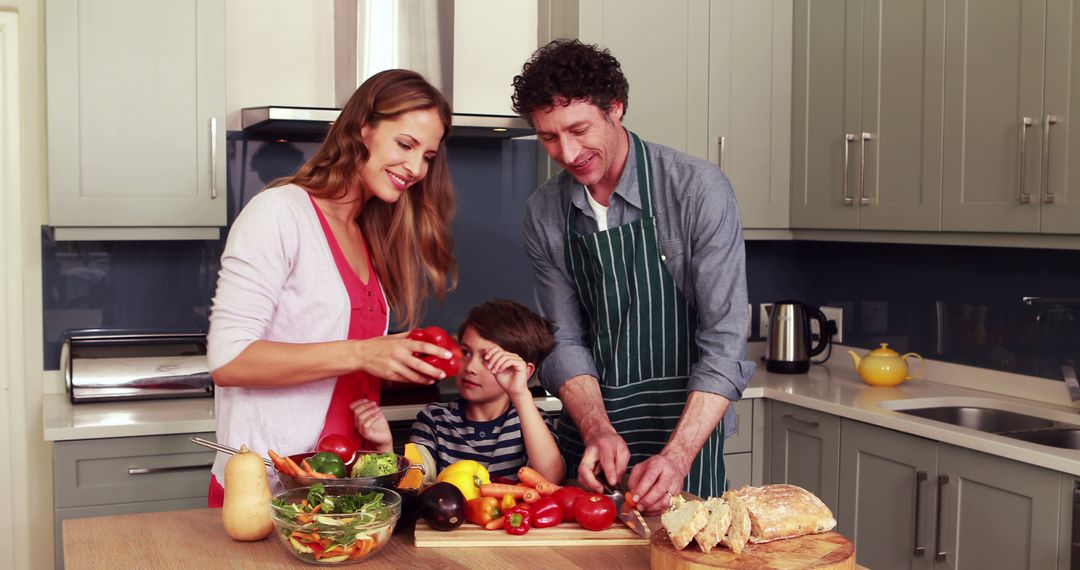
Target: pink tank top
x=368, y=318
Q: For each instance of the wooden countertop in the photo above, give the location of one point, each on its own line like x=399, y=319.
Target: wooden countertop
x=196, y=539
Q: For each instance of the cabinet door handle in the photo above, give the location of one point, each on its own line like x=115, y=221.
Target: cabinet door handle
x=920, y=478
x=213, y=158
x=173, y=469
x=721, y=143
x=863, y=200
x=1048, y=196
x=800, y=421
x=942, y=480
x=1025, y=124
x=848, y=139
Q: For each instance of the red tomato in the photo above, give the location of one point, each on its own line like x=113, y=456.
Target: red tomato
x=594, y=511
x=566, y=496
x=438, y=336
x=342, y=445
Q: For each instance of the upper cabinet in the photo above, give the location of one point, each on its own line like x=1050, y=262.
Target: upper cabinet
x=136, y=111
x=712, y=79
x=1009, y=138
x=866, y=118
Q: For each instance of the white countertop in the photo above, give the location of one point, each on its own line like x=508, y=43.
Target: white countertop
x=832, y=388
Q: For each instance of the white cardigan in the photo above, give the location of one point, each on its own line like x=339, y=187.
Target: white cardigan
x=278, y=282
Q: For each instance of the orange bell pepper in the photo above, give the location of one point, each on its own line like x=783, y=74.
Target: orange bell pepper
x=482, y=510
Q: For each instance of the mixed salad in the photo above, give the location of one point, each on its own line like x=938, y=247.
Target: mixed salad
x=327, y=539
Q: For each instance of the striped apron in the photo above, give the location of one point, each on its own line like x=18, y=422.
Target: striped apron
x=642, y=333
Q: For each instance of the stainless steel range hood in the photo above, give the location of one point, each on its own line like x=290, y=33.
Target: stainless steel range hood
x=372, y=35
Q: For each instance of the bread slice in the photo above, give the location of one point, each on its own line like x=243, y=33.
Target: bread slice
x=716, y=527
x=684, y=520
x=783, y=511
x=738, y=532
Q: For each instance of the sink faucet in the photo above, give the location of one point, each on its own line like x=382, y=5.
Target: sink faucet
x=1069, y=373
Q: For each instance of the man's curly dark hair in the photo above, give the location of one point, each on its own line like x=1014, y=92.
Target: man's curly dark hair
x=565, y=70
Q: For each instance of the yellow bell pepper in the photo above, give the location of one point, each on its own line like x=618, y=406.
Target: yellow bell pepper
x=467, y=475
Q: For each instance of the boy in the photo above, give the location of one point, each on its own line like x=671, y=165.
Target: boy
x=495, y=422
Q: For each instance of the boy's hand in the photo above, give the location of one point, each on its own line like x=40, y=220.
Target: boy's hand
x=372, y=425
x=511, y=372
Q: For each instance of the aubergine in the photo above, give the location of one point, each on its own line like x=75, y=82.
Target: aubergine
x=443, y=506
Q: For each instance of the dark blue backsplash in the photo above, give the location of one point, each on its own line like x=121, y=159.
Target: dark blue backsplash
x=960, y=304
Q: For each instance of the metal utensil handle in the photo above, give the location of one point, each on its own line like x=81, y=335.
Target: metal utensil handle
x=920, y=477
x=863, y=200
x=942, y=480
x=1025, y=124
x=173, y=469
x=223, y=448
x=1048, y=196
x=848, y=139
x=723, y=143
x=809, y=424
x=213, y=158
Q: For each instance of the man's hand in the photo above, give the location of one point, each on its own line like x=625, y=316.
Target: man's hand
x=511, y=372
x=656, y=480
x=606, y=454
x=371, y=424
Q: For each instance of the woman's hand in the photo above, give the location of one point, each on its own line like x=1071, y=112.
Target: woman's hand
x=391, y=357
x=371, y=424
x=511, y=372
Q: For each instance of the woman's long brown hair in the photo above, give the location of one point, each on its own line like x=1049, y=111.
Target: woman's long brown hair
x=410, y=241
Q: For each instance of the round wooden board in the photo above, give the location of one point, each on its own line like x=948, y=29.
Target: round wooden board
x=825, y=551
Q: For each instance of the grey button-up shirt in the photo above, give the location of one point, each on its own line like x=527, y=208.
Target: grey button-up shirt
x=701, y=244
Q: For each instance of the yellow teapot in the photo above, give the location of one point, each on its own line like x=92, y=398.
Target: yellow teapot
x=884, y=366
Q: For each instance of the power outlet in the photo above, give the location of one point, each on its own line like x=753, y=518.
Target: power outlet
x=835, y=314
x=763, y=319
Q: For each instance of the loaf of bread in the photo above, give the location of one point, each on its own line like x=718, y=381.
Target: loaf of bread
x=781, y=511
x=684, y=520
x=717, y=525
x=738, y=532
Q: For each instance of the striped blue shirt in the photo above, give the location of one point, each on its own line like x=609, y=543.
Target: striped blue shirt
x=450, y=437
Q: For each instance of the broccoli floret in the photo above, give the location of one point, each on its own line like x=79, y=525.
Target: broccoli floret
x=375, y=465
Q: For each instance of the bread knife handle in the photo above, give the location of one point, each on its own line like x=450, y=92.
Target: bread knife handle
x=920, y=478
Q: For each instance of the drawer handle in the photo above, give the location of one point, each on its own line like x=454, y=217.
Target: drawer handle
x=863, y=200
x=848, y=139
x=1048, y=194
x=213, y=158
x=942, y=480
x=920, y=478
x=1025, y=124
x=801, y=421
x=153, y=470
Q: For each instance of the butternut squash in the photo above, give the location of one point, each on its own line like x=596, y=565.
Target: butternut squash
x=246, y=510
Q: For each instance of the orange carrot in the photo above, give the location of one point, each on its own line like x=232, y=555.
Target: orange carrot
x=532, y=478
x=279, y=462
x=497, y=490
x=546, y=489
x=496, y=524
x=294, y=469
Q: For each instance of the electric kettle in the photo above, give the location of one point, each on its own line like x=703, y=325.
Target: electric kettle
x=788, y=349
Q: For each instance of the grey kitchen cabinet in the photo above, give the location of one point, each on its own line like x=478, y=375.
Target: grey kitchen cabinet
x=1009, y=141
x=97, y=477
x=909, y=502
x=693, y=89
x=867, y=91
x=804, y=450
x=750, y=105
x=738, y=449
x=136, y=111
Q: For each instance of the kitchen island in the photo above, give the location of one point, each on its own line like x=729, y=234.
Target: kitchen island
x=196, y=539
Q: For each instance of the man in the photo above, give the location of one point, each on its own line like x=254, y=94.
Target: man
x=638, y=257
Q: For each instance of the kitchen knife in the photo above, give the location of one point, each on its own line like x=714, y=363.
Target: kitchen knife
x=625, y=512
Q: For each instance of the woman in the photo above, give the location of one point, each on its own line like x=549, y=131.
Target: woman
x=313, y=264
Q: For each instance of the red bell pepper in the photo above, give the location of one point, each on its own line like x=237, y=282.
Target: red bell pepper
x=546, y=512
x=517, y=520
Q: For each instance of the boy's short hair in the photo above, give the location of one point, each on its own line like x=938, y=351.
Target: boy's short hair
x=514, y=327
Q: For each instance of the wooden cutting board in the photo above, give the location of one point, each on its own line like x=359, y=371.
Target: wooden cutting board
x=566, y=534
x=825, y=551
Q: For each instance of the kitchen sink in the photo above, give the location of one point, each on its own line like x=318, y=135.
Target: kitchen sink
x=982, y=419
x=1068, y=438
